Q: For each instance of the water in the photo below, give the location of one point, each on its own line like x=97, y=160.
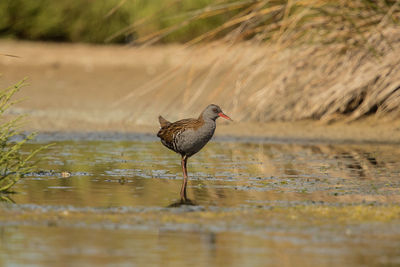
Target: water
x=107, y=202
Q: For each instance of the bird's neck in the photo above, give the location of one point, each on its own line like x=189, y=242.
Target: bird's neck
x=207, y=127
x=201, y=117
x=205, y=118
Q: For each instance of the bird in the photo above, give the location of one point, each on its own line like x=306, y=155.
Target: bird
x=188, y=136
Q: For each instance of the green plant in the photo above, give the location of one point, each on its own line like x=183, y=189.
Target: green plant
x=13, y=163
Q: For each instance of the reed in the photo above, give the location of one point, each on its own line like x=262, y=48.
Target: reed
x=144, y=22
x=288, y=60
x=282, y=21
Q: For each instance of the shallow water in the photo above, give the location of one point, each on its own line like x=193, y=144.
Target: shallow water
x=256, y=203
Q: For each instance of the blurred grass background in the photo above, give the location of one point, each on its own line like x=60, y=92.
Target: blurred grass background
x=342, y=62
x=96, y=21
x=141, y=21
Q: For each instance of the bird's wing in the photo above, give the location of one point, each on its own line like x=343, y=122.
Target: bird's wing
x=171, y=131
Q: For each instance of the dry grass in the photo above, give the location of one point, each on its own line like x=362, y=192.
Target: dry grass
x=287, y=60
x=265, y=82
x=285, y=22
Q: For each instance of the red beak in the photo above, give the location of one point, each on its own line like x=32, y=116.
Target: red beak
x=222, y=115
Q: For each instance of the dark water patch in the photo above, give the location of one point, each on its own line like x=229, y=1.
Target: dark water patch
x=93, y=136
x=44, y=137
x=301, y=141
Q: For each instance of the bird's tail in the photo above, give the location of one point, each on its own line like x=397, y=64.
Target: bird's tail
x=163, y=122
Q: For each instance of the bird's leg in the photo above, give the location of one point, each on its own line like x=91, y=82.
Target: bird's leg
x=185, y=177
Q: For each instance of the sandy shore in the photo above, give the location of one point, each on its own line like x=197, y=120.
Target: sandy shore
x=78, y=88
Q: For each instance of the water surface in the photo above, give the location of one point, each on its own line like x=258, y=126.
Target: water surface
x=107, y=202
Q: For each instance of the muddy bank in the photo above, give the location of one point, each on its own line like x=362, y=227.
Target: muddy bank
x=82, y=88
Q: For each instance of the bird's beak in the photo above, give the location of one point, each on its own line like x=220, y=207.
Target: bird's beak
x=222, y=115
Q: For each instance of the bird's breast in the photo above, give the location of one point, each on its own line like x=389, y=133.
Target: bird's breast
x=191, y=141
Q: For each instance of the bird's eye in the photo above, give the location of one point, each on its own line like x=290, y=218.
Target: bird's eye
x=215, y=110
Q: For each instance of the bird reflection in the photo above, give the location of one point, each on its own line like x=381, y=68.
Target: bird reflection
x=182, y=202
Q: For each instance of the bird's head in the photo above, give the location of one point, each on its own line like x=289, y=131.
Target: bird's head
x=213, y=112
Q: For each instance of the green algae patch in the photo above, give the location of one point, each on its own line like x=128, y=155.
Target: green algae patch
x=244, y=218
x=344, y=214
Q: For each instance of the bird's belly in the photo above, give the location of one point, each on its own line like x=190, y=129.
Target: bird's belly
x=190, y=142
